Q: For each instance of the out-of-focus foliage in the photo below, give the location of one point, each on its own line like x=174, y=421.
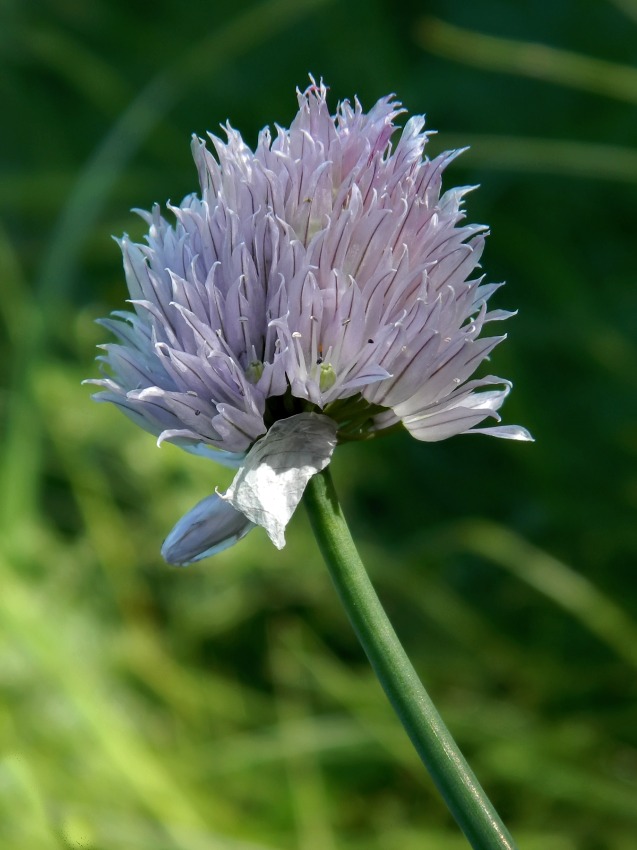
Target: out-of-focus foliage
x=228, y=705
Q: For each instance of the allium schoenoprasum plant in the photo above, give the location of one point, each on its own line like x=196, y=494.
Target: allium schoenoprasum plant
x=320, y=289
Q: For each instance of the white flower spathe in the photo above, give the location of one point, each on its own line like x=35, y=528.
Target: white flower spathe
x=269, y=485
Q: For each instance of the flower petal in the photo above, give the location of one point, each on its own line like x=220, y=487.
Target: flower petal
x=211, y=526
x=192, y=443
x=506, y=432
x=270, y=483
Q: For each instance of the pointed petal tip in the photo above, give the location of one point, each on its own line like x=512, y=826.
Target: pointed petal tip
x=506, y=432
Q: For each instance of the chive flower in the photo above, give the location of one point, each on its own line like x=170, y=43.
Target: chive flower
x=319, y=289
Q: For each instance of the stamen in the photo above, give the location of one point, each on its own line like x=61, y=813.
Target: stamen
x=297, y=336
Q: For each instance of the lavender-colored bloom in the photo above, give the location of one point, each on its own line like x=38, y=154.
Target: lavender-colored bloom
x=323, y=274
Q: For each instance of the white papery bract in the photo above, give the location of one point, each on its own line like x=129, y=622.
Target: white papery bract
x=323, y=272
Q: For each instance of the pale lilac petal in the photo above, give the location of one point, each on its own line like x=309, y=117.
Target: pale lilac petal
x=455, y=416
x=506, y=432
x=191, y=443
x=210, y=527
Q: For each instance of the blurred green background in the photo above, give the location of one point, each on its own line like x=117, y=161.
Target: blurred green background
x=228, y=705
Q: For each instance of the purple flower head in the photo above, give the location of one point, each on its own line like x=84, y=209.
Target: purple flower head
x=319, y=289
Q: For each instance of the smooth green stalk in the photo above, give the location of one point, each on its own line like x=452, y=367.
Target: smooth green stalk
x=450, y=772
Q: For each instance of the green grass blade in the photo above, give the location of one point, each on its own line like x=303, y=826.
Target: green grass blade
x=538, y=61
x=570, y=590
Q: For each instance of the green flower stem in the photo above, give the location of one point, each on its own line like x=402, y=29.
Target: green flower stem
x=450, y=772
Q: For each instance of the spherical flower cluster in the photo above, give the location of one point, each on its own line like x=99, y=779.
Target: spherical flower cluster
x=319, y=289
